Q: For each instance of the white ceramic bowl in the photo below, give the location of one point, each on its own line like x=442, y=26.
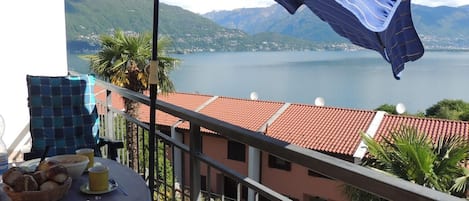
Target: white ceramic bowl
x=75, y=164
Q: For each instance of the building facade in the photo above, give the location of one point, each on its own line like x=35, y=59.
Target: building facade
x=327, y=130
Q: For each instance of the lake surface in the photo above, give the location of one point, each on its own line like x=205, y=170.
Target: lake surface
x=352, y=79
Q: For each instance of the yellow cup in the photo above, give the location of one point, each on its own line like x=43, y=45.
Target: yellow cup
x=89, y=153
x=98, y=178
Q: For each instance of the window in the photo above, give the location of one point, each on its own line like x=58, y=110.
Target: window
x=315, y=174
x=236, y=151
x=203, y=182
x=231, y=189
x=275, y=162
x=262, y=198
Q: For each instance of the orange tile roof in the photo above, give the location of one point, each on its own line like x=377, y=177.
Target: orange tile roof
x=434, y=128
x=117, y=101
x=245, y=113
x=185, y=100
x=328, y=129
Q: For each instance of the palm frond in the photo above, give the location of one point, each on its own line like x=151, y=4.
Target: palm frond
x=460, y=183
x=411, y=155
x=123, y=59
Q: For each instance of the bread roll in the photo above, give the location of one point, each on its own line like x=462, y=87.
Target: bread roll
x=50, y=177
x=11, y=175
x=25, y=183
x=48, y=185
x=46, y=164
x=40, y=177
x=57, y=173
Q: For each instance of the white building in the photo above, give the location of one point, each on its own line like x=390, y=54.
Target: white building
x=33, y=41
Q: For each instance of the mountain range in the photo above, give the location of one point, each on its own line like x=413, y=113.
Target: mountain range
x=438, y=27
x=248, y=29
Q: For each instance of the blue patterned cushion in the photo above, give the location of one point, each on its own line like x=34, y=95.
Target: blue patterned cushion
x=63, y=113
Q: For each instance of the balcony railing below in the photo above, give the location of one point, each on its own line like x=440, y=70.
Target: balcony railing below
x=163, y=183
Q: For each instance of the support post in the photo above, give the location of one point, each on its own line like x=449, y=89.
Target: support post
x=177, y=156
x=195, y=149
x=153, y=82
x=253, y=169
x=109, y=125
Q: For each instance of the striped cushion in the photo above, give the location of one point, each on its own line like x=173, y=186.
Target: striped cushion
x=63, y=113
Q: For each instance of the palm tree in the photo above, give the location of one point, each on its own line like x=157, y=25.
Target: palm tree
x=122, y=61
x=411, y=155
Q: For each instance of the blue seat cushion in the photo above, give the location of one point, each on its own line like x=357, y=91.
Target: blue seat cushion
x=63, y=113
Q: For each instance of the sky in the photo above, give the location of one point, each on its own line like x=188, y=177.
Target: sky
x=204, y=6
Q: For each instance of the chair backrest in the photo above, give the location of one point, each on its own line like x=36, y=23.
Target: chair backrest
x=63, y=114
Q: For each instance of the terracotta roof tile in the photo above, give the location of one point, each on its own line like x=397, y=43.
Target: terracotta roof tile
x=117, y=101
x=328, y=129
x=434, y=128
x=184, y=100
x=245, y=113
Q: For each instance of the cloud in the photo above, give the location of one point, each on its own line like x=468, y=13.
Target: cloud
x=204, y=6
x=433, y=3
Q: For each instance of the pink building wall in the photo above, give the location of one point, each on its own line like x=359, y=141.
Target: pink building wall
x=216, y=148
x=295, y=183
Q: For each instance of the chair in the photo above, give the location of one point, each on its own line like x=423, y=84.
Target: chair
x=64, y=116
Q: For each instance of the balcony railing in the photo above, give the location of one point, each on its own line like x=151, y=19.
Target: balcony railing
x=164, y=186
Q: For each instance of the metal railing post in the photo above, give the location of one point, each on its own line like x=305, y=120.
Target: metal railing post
x=207, y=179
x=195, y=150
x=238, y=192
x=109, y=127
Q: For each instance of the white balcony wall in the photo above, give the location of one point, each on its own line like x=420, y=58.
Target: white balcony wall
x=32, y=41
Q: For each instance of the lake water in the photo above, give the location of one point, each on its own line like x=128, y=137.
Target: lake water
x=356, y=79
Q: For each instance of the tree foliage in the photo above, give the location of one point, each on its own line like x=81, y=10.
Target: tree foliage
x=411, y=155
x=355, y=194
x=444, y=109
x=391, y=109
x=123, y=60
x=449, y=109
x=464, y=116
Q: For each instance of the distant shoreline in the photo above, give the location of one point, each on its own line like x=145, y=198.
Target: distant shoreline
x=88, y=51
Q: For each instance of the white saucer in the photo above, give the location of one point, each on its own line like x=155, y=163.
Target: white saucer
x=85, y=188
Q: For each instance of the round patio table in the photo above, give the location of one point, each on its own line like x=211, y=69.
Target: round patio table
x=130, y=185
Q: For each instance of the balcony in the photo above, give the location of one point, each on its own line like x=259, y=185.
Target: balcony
x=194, y=182
x=197, y=174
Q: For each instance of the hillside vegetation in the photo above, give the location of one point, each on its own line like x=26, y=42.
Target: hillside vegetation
x=190, y=32
x=252, y=29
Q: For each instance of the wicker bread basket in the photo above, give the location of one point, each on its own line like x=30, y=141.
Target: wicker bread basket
x=48, y=195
